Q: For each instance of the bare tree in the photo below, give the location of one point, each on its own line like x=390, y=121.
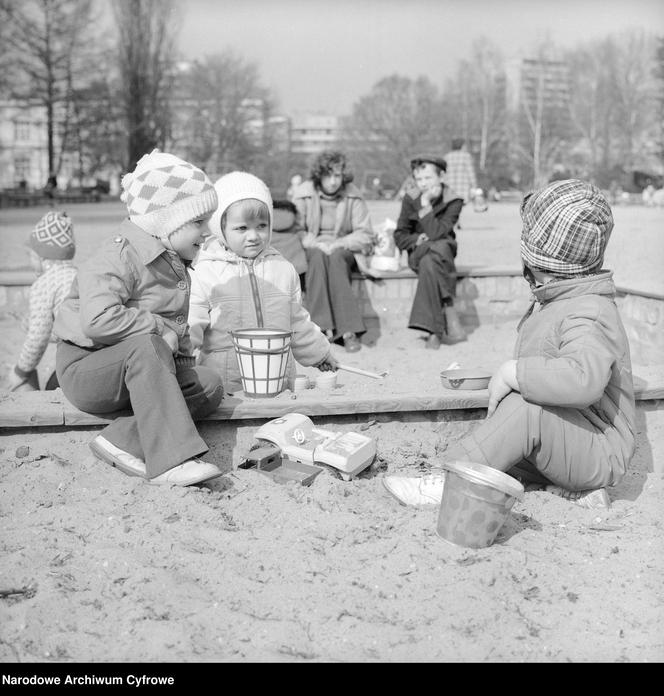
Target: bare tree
x=474, y=106
x=146, y=53
x=659, y=77
x=223, y=112
x=543, y=127
x=635, y=94
x=47, y=40
x=390, y=124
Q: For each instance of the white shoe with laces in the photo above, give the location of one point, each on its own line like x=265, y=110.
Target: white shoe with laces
x=416, y=490
x=188, y=473
x=109, y=453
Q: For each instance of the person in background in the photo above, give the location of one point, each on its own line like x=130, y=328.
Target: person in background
x=295, y=181
x=336, y=226
x=286, y=239
x=240, y=281
x=561, y=414
x=425, y=229
x=52, y=248
x=123, y=334
x=460, y=174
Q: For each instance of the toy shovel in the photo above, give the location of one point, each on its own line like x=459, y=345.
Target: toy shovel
x=357, y=371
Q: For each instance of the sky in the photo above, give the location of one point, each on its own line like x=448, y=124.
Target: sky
x=323, y=55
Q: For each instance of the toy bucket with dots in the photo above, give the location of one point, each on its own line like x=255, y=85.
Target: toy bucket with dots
x=476, y=502
x=262, y=356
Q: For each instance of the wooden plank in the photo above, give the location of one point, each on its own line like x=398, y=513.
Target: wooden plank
x=28, y=409
x=649, y=383
x=41, y=409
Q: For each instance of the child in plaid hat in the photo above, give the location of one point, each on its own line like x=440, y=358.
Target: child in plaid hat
x=561, y=414
x=52, y=248
x=124, y=338
x=240, y=281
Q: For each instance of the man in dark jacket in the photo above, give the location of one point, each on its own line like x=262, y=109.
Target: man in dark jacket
x=426, y=231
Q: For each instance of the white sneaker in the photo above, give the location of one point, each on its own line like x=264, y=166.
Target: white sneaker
x=109, y=453
x=411, y=490
x=597, y=499
x=188, y=473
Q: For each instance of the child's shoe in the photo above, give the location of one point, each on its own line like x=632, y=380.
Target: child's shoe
x=188, y=473
x=412, y=490
x=432, y=342
x=109, y=453
x=351, y=342
x=597, y=499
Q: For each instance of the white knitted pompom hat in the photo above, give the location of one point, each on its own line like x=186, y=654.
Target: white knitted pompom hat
x=237, y=186
x=164, y=193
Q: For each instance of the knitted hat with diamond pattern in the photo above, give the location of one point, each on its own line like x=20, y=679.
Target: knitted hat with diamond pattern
x=566, y=227
x=53, y=237
x=164, y=193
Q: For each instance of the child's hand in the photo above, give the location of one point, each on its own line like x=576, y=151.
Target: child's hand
x=502, y=383
x=431, y=194
x=328, y=364
x=16, y=383
x=421, y=239
x=171, y=339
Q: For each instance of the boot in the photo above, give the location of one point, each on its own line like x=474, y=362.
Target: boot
x=454, y=331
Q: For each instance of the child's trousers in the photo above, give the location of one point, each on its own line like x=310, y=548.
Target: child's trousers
x=436, y=287
x=559, y=442
x=140, y=373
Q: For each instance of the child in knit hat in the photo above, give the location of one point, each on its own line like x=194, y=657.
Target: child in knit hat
x=52, y=248
x=561, y=414
x=124, y=339
x=240, y=281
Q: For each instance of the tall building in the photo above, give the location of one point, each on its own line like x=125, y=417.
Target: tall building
x=23, y=146
x=311, y=133
x=529, y=79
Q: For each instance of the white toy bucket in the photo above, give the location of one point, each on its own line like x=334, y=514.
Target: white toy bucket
x=262, y=356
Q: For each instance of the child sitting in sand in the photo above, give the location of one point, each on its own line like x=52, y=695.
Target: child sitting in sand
x=124, y=340
x=52, y=249
x=561, y=414
x=241, y=282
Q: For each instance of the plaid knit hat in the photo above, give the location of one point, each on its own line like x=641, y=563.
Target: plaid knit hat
x=234, y=187
x=53, y=237
x=566, y=227
x=164, y=193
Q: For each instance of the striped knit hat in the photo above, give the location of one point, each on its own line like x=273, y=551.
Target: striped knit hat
x=164, y=193
x=53, y=237
x=235, y=187
x=566, y=227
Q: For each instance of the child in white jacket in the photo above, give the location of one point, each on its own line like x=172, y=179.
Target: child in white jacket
x=240, y=282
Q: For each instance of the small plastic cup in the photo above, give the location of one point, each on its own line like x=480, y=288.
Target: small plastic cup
x=326, y=380
x=300, y=383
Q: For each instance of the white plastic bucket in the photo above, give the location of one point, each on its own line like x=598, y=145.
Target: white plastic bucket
x=262, y=356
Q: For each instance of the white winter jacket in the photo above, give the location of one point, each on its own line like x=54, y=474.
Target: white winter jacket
x=229, y=292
